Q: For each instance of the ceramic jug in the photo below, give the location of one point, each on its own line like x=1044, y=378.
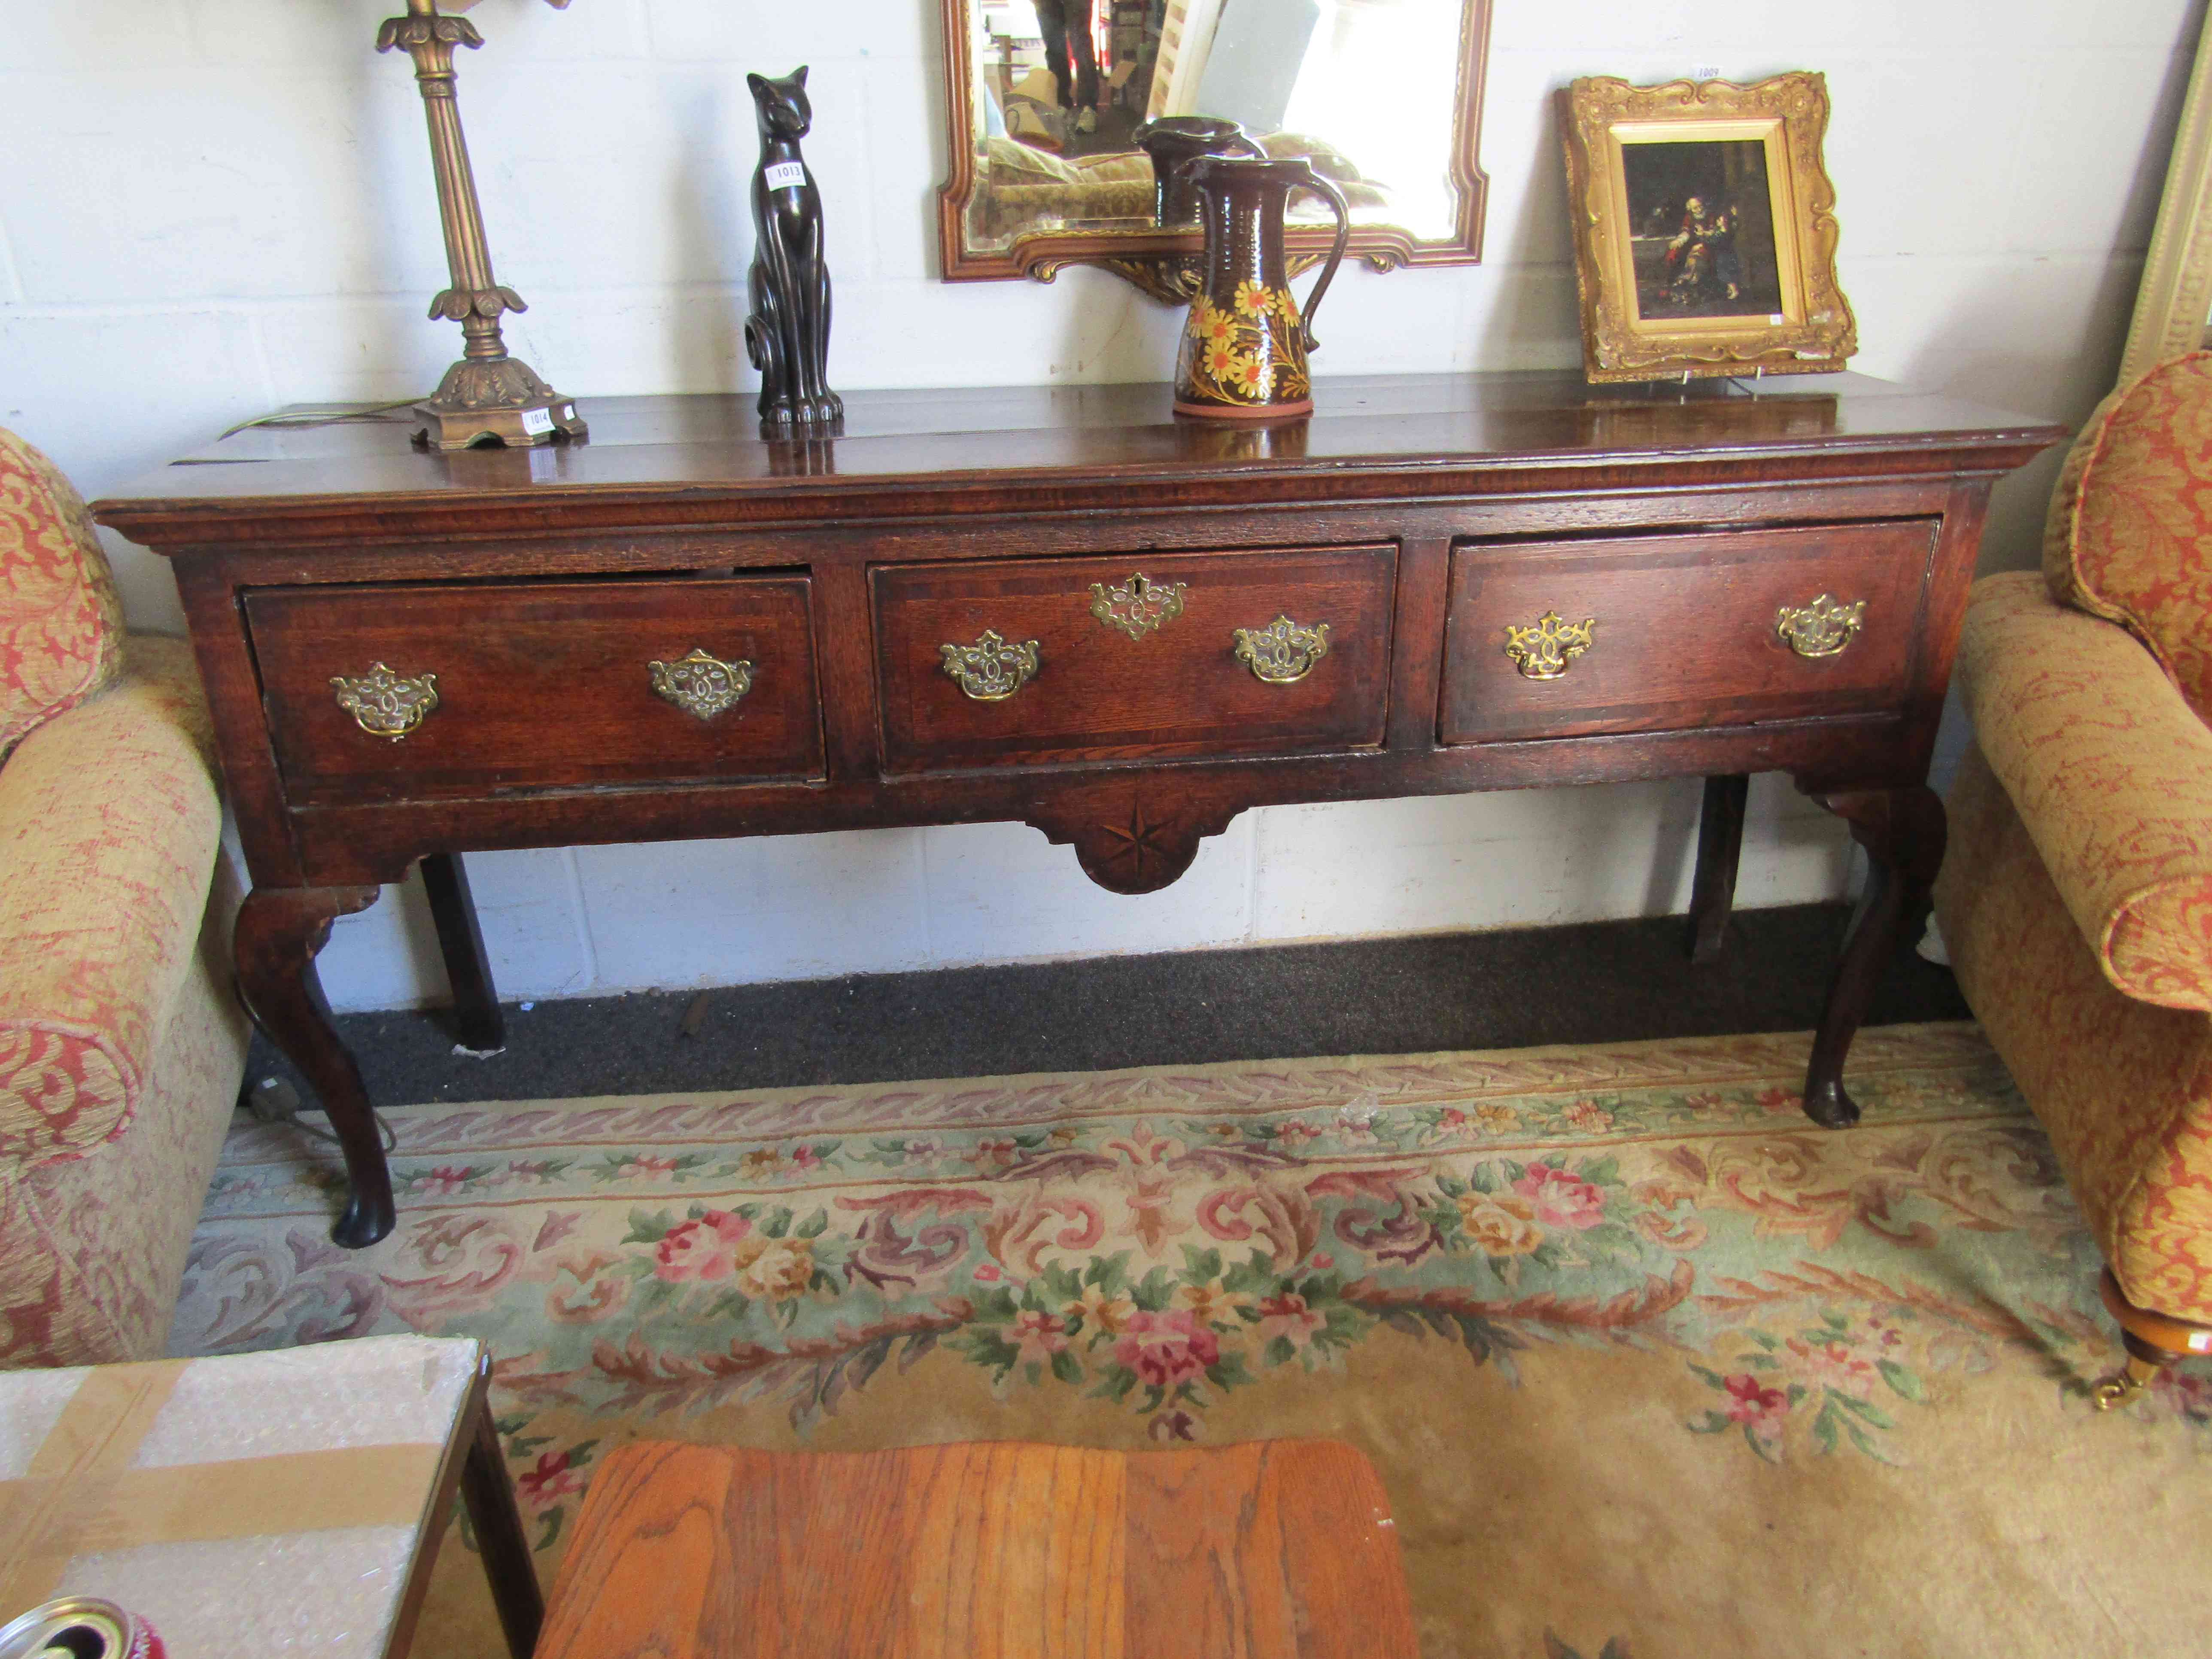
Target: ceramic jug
x=1243, y=350
x=1173, y=143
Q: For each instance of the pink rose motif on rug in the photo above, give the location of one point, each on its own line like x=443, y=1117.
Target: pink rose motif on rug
x=1562, y=1199
x=705, y=1247
x=1824, y=1379
x=1163, y=1350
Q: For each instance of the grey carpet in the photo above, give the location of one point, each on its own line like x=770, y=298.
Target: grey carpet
x=1599, y=982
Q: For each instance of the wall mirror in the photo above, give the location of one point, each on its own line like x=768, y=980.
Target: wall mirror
x=1065, y=115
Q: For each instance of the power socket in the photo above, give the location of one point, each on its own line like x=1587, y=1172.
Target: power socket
x=273, y=1100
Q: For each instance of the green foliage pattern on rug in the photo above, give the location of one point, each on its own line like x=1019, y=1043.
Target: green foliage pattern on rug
x=1331, y=1246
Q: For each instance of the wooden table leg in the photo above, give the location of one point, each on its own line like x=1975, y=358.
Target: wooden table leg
x=1903, y=831
x=473, y=1466
x=279, y=930
x=1720, y=849
x=477, y=1014
x=501, y=1541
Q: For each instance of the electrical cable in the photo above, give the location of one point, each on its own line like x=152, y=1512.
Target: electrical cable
x=384, y=1131
x=273, y=1100
x=331, y=415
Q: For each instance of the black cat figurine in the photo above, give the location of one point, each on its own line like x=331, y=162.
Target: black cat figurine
x=787, y=336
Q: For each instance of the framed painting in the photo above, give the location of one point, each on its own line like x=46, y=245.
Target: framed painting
x=1704, y=229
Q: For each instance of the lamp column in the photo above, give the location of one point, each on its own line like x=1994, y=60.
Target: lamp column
x=488, y=395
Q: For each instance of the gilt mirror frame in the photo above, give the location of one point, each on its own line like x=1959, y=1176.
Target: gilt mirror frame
x=1161, y=262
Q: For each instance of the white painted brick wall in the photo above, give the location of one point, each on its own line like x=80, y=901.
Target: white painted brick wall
x=211, y=207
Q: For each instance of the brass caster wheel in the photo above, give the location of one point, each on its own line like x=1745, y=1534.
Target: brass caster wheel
x=2123, y=1385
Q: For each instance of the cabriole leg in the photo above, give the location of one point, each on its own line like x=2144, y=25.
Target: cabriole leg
x=1903, y=832
x=279, y=930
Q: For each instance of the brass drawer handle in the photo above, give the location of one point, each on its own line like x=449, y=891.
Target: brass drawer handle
x=1821, y=628
x=700, y=684
x=991, y=670
x=1543, y=650
x=385, y=704
x=1137, y=606
x=1282, y=652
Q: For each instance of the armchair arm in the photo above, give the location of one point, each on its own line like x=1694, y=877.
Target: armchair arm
x=2111, y=772
x=109, y=824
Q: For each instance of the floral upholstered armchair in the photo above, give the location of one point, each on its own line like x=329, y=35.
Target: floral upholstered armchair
x=121, y=1046
x=2076, y=898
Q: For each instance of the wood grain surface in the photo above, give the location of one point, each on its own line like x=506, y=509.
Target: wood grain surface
x=1059, y=450
x=1686, y=628
x=539, y=684
x=1268, y=1550
x=1099, y=694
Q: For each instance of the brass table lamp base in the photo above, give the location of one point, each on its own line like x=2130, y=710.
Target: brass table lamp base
x=487, y=397
x=500, y=399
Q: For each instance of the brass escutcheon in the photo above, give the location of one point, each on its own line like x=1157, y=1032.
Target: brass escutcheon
x=385, y=704
x=700, y=684
x=1137, y=606
x=1821, y=628
x=991, y=669
x=1282, y=652
x=1543, y=650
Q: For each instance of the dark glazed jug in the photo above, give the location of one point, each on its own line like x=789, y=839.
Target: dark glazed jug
x=1174, y=142
x=1243, y=351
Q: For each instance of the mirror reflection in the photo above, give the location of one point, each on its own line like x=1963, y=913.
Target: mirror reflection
x=1073, y=103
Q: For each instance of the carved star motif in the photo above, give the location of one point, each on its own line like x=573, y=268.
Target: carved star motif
x=1139, y=841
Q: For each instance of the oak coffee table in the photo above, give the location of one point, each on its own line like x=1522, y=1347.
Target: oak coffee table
x=1280, y=1549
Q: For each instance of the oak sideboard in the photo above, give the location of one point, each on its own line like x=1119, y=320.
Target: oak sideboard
x=1069, y=608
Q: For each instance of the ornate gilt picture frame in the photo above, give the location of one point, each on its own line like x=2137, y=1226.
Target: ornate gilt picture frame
x=1704, y=229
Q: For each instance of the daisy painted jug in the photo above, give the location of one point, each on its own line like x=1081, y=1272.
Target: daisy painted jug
x=1243, y=350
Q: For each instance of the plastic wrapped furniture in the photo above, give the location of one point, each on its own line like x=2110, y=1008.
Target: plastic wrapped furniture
x=2076, y=898
x=121, y=1046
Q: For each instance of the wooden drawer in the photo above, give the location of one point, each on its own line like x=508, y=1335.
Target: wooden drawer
x=538, y=686
x=1098, y=694
x=1685, y=631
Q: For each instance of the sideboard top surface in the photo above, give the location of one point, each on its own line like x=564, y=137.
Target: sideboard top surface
x=679, y=459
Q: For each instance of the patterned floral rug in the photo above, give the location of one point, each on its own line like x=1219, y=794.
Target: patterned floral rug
x=1650, y=1365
